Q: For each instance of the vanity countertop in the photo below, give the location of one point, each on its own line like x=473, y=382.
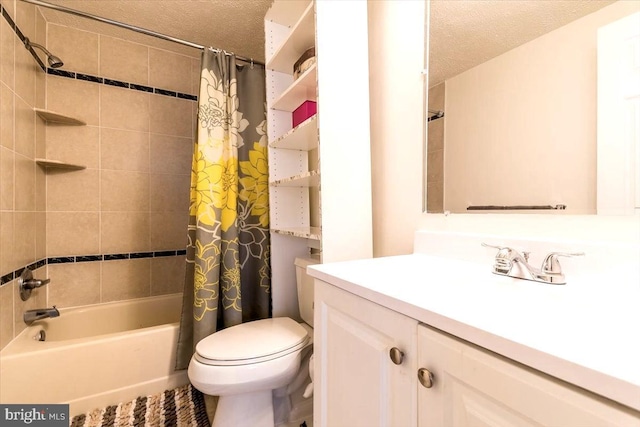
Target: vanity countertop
x=585, y=332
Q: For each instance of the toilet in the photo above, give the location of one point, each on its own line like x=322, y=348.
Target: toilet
x=243, y=364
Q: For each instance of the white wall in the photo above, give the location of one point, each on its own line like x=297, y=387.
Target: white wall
x=396, y=59
x=396, y=34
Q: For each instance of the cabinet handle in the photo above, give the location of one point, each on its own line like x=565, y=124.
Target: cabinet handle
x=396, y=355
x=425, y=377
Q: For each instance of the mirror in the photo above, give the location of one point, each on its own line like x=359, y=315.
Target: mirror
x=512, y=113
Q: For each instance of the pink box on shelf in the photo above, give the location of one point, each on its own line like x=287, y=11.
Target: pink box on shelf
x=303, y=112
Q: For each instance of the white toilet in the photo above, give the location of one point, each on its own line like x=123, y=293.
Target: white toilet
x=243, y=364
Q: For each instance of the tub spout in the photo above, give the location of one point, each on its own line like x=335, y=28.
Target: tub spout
x=31, y=316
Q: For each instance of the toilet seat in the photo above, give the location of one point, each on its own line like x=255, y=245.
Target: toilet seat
x=252, y=342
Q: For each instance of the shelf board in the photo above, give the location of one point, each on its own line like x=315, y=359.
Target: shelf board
x=301, y=38
x=53, y=117
x=312, y=233
x=286, y=12
x=45, y=163
x=302, y=89
x=307, y=179
x=303, y=137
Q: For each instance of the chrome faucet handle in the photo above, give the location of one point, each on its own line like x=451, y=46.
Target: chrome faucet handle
x=504, y=258
x=27, y=283
x=551, y=265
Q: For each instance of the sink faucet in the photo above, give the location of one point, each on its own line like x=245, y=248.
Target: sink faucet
x=509, y=262
x=31, y=316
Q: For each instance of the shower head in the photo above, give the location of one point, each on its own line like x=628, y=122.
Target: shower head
x=54, y=61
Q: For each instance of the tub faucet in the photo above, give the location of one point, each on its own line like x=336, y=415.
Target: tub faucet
x=31, y=316
x=510, y=262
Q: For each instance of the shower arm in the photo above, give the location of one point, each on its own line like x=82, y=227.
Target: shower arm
x=133, y=28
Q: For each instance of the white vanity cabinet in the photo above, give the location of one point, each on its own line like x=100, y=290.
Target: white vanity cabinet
x=356, y=381
x=358, y=384
x=475, y=387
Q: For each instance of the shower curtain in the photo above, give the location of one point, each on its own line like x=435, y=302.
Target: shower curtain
x=228, y=278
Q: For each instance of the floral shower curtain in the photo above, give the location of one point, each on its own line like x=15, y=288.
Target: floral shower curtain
x=228, y=278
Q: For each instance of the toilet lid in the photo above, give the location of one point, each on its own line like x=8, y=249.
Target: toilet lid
x=252, y=342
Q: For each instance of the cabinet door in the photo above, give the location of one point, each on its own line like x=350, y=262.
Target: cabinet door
x=473, y=387
x=356, y=381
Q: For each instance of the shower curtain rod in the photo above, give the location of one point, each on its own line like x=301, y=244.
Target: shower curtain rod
x=133, y=28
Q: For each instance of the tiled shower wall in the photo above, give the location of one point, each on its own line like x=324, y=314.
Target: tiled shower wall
x=117, y=229
x=435, y=152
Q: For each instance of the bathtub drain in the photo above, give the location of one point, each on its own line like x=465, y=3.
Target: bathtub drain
x=40, y=336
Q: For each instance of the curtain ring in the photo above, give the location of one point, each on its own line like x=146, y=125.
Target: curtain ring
x=252, y=63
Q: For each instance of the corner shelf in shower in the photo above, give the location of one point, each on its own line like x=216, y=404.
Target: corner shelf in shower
x=57, y=118
x=45, y=163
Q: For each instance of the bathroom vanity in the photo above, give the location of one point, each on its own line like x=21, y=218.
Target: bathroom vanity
x=435, y=339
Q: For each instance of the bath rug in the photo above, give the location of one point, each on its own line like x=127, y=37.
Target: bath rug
x=180, y=407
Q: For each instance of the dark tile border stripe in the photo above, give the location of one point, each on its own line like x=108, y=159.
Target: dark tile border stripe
x=88, y=77
x=89, y=258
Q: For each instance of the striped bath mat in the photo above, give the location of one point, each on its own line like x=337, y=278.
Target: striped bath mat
x=180, y=407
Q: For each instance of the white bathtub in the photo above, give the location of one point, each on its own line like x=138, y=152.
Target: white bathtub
x=95, y=356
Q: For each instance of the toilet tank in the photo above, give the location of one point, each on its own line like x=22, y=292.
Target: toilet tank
x=305, y=288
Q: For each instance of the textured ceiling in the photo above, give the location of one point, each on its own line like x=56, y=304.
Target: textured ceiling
x=233, y=25
x=464, y=33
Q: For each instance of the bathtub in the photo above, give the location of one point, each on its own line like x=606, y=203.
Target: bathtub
x=94, y=356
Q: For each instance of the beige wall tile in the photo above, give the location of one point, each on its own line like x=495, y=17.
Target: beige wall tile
x=124, y=109
x=7, y=261
x=169, y=193
x=7, y=49
x=435, y=197
x=123, y=60
x=73, y=233
x=26, y=69
x=7, y=111
x=169, y=230
x=41, y=28
x=25, y=18
x=124, y=232
x=6, y=179
x=25, y=129
x=171, y=154
x=171, y=71
x=435, y=166
x=6, y=314
x=435, y=136
x=171, y=116
x=41, y=138
x=195, y=76
x=25, y=183
x=73, y=190
x=125, y=279
x=75, y=98
x=124, y=191
x=74, y=284
x=41, y=89
x=41, y=189
x=74, y=144
x=124, y=150
x=78, y=49
x=38, y=299
x=24, y=238
x=167, y=275
x=41, y=235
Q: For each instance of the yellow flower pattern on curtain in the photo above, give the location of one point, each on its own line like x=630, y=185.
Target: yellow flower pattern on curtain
x=228, y=272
